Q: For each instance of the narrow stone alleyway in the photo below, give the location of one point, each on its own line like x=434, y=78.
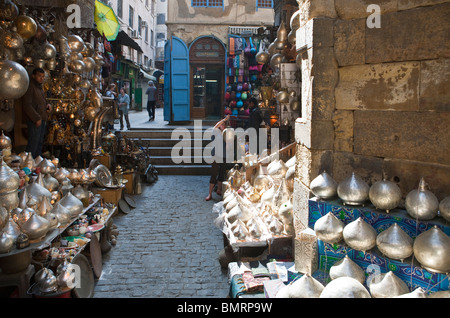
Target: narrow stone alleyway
x=168, y=245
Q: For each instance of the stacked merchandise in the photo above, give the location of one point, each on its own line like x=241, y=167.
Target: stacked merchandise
x=244, y=75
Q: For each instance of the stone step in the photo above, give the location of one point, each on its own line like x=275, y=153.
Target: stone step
x=185, y=160
x=167, y=151
x=163, y=142
x=158, y=133
x=160, y=145
x=198, y=170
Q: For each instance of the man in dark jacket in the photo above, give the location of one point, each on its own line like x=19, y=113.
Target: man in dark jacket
x=255, y=119
x=35, y=107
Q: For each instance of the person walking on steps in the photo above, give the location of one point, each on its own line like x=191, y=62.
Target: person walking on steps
x=218, y=166
x=151, y=101
x=124, y=105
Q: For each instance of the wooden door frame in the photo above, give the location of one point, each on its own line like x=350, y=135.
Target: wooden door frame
x=197, y=112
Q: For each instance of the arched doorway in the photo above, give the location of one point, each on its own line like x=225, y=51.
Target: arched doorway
x=207, y=64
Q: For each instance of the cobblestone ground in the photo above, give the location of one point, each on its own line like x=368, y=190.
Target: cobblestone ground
x=167, y=246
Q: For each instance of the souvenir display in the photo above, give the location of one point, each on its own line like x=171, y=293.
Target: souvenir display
x=305, y=287
x=347, y=268
x=431, y=250
x=324, y=186
x=345, y=287
x=444, y=208
x=421, y=203
x=387, y=285
x=359, y=235
x=329, y=228
x=395, y=243
x=385, y=195
x=353, y=190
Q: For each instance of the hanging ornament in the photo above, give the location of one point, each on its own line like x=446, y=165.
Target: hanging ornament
x=26, y=27
x=14, y=78
x=422, y=203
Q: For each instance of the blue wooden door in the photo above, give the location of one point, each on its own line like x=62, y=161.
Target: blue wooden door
x=167, y=84
x=176, y=63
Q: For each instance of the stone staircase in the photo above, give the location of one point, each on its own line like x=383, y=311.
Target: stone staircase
x=159, y=144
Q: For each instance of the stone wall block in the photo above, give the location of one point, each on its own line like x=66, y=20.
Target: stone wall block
x=349, y=43
x=310, y=9
x=343, y=130
x=417, y=136
x=310, y=163
x=410, y=35
x=318, y=32
x=389, y=86
x=409, y=4
x=368, y=168
x=354, y=9
x=306, y=252
x=315, y=134
x=300, y=206
x=407, y=175
x=434, y=85
x=319, y=77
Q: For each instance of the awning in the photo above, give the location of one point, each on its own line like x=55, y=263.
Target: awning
x=148, y=76
x=156, y=72
x=124, y=39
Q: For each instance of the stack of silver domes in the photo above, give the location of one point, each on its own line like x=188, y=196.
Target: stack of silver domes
x=430, y=247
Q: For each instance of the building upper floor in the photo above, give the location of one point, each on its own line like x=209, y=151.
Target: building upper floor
x=220, y=12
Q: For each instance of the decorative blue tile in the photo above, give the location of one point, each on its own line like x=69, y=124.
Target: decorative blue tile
x=373, y=262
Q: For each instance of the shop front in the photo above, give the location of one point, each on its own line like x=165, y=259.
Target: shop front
x=57, y=207
x=194, y=81
x=207, y=56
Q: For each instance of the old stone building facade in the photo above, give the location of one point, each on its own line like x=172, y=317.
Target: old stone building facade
x=203, y=28
x=375, y=97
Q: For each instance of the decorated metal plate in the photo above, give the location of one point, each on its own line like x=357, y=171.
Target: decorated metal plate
x=104, y=177
x=85, y=288
x=96, y=256
x=124, y=207
x=130, y=200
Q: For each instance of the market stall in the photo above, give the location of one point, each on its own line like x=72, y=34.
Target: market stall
x=361, y=241
x=255, y=215
x=56, y=209
x=267, y=71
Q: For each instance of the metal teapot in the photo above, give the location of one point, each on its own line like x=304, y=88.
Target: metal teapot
x=444, y=208
x=5, y=141
x=62, y=213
